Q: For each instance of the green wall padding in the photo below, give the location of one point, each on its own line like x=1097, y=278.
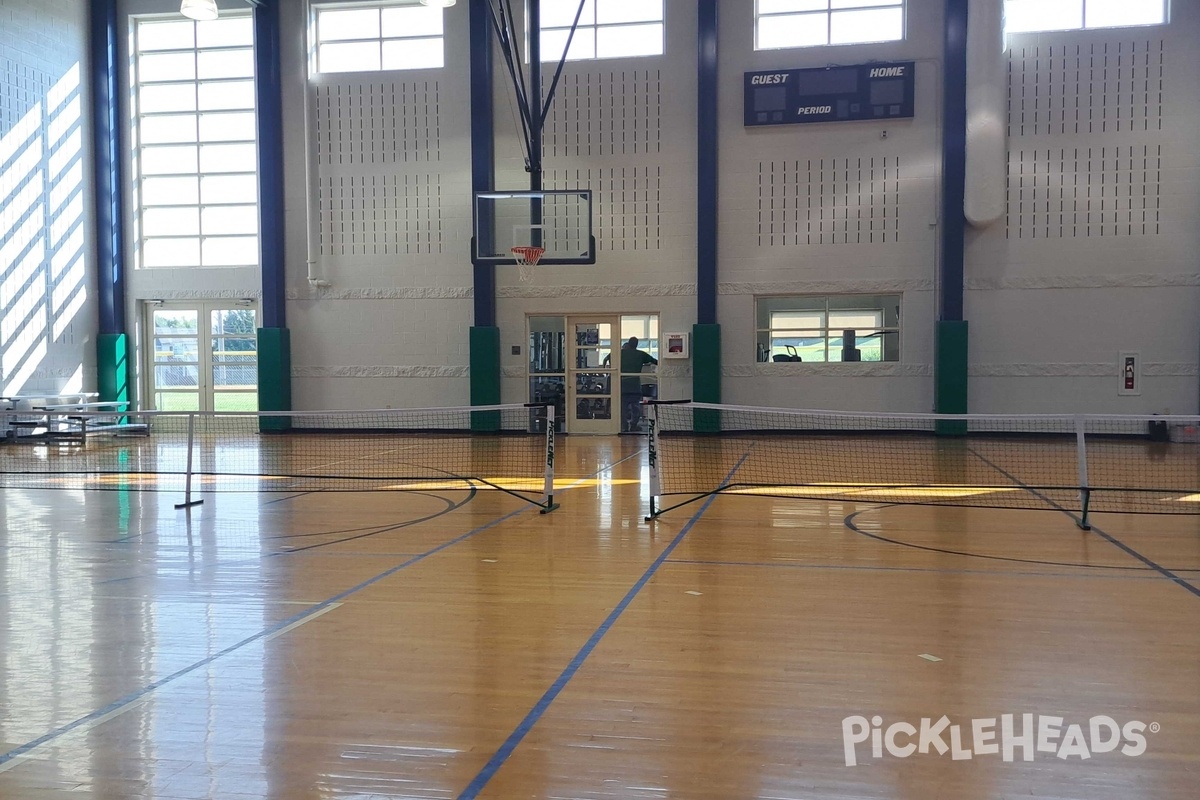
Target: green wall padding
x=485, y=376
x=706, y=375
x=274, y=377
x=950, y=375
x=112, y=367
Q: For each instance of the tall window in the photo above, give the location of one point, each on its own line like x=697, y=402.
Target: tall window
x=835, y=328
x=812, y=23
x=607, y=29
x=1022, y=16
x=195, y=161
x=384, y=36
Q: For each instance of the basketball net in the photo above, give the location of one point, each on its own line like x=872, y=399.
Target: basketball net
x=527, y=260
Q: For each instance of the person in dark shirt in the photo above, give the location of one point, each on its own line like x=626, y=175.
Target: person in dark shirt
x=632, y=361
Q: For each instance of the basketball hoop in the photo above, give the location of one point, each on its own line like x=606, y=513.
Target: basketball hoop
x=527, y=259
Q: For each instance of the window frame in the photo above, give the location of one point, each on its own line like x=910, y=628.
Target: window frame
x=552, y=55
x=769, y=337
x=379, y=6
x=1084, y=26
x=137, y=150
x=829, y=12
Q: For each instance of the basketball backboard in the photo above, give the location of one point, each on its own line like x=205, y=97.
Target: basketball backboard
x=557, y=220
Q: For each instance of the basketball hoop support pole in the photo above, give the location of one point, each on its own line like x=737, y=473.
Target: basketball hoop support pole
x=536, y=112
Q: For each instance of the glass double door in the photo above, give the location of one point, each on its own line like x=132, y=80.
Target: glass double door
x=201, y=356
x=575, y=363
x=593, y=376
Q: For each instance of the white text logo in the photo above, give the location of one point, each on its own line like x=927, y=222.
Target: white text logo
x=1028, y=734
x=887, y=72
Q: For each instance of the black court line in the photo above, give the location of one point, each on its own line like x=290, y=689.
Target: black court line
x=285, y=499
x=448, y=501
x=1145, y=574
x=1166, y=573
x=523, y=728
x=372, y=530
x=451, y=507
x=314, y=610
x=851, y=523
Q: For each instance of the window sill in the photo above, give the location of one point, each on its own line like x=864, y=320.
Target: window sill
x=836, y=369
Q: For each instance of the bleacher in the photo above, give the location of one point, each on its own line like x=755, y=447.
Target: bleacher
x=64, y=419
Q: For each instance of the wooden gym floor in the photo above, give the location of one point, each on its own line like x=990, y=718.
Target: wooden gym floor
x=443, y=644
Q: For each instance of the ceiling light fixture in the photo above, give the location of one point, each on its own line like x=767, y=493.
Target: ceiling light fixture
x=438, y=3
x=200, y=10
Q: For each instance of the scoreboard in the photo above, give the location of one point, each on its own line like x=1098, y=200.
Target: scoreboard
x=879, y=91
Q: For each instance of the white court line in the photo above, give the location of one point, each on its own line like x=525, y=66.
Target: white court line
x=132, y=704
x=300, y=622
x=13, y=762
x=116, y=712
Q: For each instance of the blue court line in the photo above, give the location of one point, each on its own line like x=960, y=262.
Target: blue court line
x=311, y=611
x=865, y=568
x=1166, y=573
x=502, y=755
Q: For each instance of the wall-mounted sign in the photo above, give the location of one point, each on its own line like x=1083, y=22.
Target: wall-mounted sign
x=675, y=345
x=1130, y=365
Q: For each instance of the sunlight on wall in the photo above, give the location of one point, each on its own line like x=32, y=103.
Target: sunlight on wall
x=75, y=382
x=42, y=274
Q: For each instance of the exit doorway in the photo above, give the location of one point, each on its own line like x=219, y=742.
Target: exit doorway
x=201, y=356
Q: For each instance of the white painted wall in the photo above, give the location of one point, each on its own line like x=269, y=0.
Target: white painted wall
x=391, y=328
x=639, y=151
x=1100, y=248
x=761, y=254
x=1049, y=307
x=47, y=246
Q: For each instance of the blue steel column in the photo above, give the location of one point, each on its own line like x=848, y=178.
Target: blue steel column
x=706, y=333
x=274, y=338
x=483, y=155
x=107, y=143
x=269, y=84
x=113, y=368
x=951, y=358
x=954, y=163
x=484, y=335
x=706, y=164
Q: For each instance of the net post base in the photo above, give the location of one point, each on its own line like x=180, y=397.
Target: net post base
x=548, y=508
x=657, y=511
x=189, y=504
x=1085, y=497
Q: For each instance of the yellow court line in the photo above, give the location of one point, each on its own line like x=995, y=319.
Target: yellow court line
x=871, y=490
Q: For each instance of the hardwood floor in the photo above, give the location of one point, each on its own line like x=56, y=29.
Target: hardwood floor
x=444, y=644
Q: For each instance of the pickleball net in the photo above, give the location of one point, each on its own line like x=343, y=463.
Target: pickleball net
x=1075, y=463
x=508, y=448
